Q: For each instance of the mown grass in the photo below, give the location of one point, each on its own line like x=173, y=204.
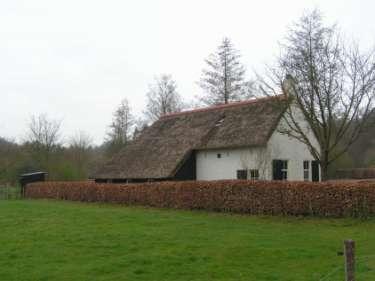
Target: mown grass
x=54, y=240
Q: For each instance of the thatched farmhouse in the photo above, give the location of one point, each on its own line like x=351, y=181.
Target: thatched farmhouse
x=237, y=140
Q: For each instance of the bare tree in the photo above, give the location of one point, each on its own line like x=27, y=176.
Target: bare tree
x=81, y=141
x=43, y=135
x=162, y=98
x=80, y=145
x=331, y=82
x=121, y=126
x=141, y=124
x=224, y=79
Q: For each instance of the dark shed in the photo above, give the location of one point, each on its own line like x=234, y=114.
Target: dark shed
x=31, y=177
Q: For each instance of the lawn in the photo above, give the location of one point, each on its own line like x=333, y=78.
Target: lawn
x=51, y=240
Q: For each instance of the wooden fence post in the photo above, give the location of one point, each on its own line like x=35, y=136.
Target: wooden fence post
x=349, y=247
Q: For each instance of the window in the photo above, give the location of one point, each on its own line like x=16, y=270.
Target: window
x=306, y=170
x=315, y=171
x=218, y=123
x=254, y=174
x=284, y=170
x=242, y=174
x=219, y=155
x=280, y=169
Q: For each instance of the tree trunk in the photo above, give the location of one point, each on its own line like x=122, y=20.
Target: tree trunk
x=324, y=171
x=324, y=166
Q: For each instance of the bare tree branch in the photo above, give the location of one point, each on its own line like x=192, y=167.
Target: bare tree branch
x=333, y=85
x=163, y=98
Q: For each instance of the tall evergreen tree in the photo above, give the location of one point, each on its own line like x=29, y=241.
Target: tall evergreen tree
x=121, y=126
x=223, y=80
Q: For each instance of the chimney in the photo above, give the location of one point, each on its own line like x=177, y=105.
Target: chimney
x=288, y=85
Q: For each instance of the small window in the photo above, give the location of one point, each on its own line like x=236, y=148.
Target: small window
x=306, y=170
x=218, y=123
x=242, y=174
x=254, y=174
x=284, y=169
x=219, y=155
x=280, y=169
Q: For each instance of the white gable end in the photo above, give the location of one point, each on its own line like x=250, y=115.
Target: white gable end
x=226, y=163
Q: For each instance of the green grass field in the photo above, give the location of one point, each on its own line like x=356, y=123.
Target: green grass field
x=51, y=240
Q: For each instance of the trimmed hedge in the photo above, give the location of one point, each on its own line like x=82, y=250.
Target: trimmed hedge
x=334, y=199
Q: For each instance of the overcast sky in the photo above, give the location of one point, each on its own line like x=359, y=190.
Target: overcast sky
x=75, y=60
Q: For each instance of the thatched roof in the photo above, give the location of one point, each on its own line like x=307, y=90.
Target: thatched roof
x=161, y=148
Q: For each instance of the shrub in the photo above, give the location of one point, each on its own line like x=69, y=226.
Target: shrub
x=336, y=199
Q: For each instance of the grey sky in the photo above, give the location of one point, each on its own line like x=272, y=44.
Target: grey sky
x=75, y=60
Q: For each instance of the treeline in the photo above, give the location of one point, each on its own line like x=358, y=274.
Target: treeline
x=362, y=152
x=61, y=162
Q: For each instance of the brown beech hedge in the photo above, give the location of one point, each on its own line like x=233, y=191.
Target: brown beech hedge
x=333, y=199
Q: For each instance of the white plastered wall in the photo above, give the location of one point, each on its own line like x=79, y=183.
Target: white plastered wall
x=284, y=147
x=210, y=167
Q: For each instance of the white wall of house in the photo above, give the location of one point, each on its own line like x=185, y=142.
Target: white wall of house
x=282, y=147
x=294, y=151
x=224, y=163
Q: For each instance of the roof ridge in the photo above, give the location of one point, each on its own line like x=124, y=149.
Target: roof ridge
x=221, y=106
